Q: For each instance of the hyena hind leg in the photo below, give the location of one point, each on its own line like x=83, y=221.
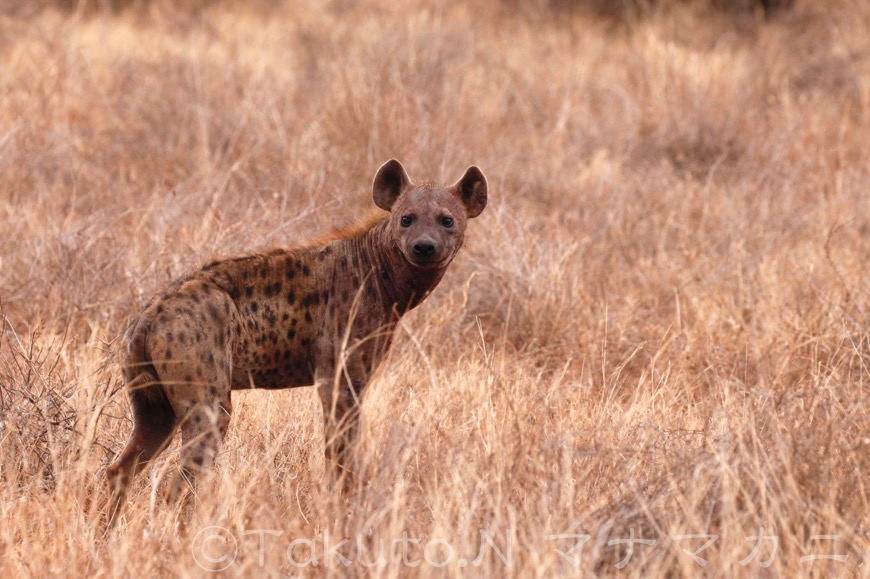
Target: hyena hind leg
x=153, y=427
x=202, y=434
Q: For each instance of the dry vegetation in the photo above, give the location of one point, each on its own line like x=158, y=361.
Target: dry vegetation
x=660, y=326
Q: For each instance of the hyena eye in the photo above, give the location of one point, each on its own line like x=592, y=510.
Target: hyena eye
x=447, y=222
x=406, y=220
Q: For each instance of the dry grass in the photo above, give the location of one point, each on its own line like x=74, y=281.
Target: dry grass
x=660, y=326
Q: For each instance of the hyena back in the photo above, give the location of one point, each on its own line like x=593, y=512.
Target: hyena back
x=319, y=315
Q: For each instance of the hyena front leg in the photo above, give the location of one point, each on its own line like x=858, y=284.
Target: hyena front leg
x=341, y=424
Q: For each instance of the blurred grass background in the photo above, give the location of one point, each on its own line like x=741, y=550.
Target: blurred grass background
x=659, y=326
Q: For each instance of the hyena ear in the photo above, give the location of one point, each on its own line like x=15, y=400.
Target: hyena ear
x=390, y=181
x=471, y=189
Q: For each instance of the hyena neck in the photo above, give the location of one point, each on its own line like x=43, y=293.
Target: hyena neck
x=399, y=284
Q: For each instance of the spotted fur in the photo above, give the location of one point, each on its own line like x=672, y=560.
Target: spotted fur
x=321, y=314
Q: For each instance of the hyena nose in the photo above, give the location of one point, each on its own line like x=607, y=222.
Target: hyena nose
x=424, y=248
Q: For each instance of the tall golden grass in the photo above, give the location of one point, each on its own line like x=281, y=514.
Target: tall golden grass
x=659, y=329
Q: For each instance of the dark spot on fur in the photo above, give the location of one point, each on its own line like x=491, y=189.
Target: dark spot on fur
x=249, y=291
x=182, y=338
x=195, y=298
x=291, y=333
x=198, y=460
x=274, y=289
x=159, y=309
x=254, y=306
x=168, y=354
x=188, y=378
x=291, y=297
x=285, y=317
x=220, y=339
x=308, y=317
x=170, y=337
x=212, y=391
x=235, y=294
x=306, y=271
x=311, y=300
x=211, y=264
x=214, y=313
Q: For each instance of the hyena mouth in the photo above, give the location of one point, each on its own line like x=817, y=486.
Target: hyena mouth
x=430, y=264
x=427, y=262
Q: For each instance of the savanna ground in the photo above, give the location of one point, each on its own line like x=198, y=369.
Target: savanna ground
x=659, y=329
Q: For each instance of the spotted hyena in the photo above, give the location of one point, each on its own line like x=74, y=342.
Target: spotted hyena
x=321, y=314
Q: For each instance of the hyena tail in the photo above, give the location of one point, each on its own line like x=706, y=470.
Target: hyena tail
x=154, y=419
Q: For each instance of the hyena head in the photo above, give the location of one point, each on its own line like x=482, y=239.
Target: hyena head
x=428, y=221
